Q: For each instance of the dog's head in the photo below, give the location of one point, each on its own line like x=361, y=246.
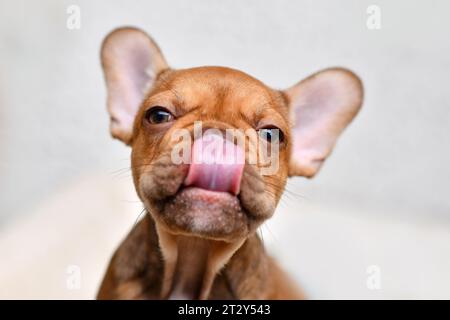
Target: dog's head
x=192, y=177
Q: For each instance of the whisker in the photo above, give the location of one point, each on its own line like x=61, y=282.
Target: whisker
x=140, y=214
x=265, y=225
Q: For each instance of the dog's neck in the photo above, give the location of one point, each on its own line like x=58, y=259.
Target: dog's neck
x=191, y=264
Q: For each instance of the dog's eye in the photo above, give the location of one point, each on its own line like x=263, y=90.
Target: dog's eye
x=271, y=134
x=158, y=115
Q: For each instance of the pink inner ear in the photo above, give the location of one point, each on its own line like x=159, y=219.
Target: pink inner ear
x=127, y=89
x=130, y=60
x=322, y=106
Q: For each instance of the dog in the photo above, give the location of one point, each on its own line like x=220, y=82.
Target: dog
x=198, y=238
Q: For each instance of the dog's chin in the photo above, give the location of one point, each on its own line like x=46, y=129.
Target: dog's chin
x=204, y=213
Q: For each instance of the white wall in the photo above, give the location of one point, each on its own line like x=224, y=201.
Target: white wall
x=380, y=199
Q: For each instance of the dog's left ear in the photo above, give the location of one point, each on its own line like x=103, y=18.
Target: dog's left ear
x=321, y=107
x=131, y=62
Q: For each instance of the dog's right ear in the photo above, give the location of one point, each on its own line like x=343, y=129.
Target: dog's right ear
x=131, y=61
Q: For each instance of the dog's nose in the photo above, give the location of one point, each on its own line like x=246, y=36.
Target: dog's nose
x=217, y=164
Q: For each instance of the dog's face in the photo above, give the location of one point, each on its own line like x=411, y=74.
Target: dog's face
x=218, y=98
x=152, y=106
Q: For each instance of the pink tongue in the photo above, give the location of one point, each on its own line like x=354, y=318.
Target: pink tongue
x=217, y=164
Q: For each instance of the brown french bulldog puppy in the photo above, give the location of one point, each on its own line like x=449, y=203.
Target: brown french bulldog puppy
x=198, y=238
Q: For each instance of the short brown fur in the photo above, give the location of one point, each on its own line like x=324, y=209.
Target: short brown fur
x=163, y=256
